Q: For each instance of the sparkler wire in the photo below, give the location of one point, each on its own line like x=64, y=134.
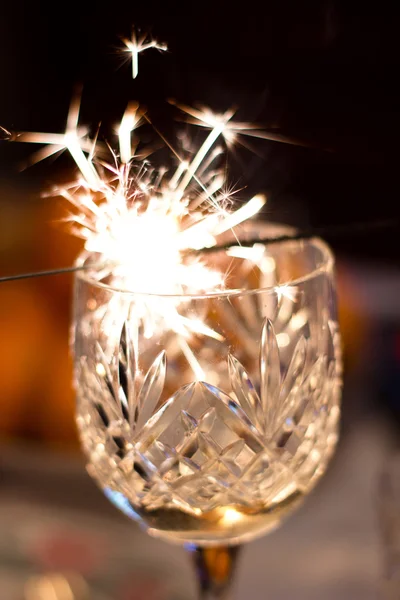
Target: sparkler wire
x=50, y=272
x=329, y=232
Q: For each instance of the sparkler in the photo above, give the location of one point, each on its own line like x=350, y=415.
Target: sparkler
x=144, y=224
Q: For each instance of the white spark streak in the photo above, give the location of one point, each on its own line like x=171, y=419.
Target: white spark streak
x=86, y=168
x=208, y=160
x=197, y=326
x=144, y=223
x=129, y=122
x=71, y=140
x=182, y=167
x=145, y=229
x=192, y=360
x=218, y=128
x=136, y=45
x=251, y=208
x=208, y=192
x=254, y=253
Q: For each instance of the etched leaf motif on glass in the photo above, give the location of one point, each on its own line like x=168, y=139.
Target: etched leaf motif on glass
x=213, y=430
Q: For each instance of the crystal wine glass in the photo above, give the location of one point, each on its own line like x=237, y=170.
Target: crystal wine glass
x=209, y=417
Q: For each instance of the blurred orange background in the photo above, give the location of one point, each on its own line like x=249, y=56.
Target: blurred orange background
x=35, y=365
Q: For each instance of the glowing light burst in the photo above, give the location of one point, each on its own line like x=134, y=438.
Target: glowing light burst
x=138, y=44
x=144, y=223
x=286, y=291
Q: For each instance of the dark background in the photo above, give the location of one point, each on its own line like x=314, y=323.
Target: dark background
x=324, y=72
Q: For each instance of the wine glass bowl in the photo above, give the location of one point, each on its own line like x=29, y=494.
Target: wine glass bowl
x=208, y=417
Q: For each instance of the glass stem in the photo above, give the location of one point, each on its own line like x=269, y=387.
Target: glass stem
x=215, y=568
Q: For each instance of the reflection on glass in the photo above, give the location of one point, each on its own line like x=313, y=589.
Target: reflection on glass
x=209, y=417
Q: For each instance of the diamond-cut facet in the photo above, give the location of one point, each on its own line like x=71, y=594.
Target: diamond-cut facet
x=206, y=447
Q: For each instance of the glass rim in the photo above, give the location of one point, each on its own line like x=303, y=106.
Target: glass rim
x=327, y=263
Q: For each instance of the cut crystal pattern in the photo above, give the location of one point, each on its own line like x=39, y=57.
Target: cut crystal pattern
x=205, y=447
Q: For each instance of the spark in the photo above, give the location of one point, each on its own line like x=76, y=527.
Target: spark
x=139, y=44
x=197, y=326
x=208, y=192
x=183, y=166
x=192, y=360
x=218, y=151
x=253, y=253
x=286, y=291
x=232, y=130
x=251, y=208
x=144, y=223
x=74, y=140
x=129, y=122
x=145, y=227
x=206, y=118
